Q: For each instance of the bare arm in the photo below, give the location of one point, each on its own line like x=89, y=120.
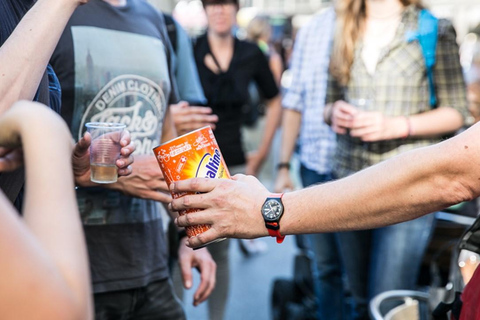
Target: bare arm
x=290, y=128
x=375, y=126
x=403, y=188
x=24, y=56
x=272, y=116
x=46, y=256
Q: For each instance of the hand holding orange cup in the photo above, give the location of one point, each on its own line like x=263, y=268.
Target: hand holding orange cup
x=195, y=154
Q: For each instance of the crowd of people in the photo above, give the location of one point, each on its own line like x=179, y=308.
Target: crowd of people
x=378, y=114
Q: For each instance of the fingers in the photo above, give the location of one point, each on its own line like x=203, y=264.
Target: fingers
x=196, y=185
x=124, y=162
x=207, y=270
x=342, y=116
x=194, y=218
x=81, y=148
x=186, y=272
x=125, y=138
x=125, y=171
x=201, y=239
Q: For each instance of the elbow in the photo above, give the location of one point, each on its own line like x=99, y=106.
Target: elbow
x=458, y=191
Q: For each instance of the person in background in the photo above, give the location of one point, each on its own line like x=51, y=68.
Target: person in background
x=47, y=265
x=303, y=105
x=379, y=105
x=226, y=67
x=113, y=61
x=25, y=34
x=190, y=113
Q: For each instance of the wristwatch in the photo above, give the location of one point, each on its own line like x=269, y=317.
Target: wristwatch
x=272, y=211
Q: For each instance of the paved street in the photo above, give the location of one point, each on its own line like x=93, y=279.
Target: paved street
x=251, y=281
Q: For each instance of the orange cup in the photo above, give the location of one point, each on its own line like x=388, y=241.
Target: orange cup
x=195, y=154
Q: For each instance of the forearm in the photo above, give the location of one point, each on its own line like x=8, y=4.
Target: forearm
x=25, y=55
x=273, y=117
x=50, y=211
x=403, y=188
x=435, y=122
x=291, y=122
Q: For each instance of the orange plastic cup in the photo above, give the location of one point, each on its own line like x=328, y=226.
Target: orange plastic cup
x=195, y=154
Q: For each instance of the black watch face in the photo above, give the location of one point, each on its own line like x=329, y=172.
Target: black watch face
x=272, y=210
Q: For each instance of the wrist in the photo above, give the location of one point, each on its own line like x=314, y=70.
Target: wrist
x=406, y=130
x=283, y=166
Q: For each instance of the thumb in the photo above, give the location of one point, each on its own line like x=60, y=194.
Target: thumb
x=186, y=270
x=82, y=146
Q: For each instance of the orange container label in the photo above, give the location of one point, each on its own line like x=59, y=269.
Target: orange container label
x=195, y=154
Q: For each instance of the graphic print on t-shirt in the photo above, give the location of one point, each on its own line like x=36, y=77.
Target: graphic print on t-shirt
x=119, y=77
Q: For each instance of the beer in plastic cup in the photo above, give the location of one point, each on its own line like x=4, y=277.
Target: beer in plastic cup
x=104, y=150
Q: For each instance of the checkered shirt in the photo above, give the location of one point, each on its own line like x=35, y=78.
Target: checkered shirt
x=310, y=61
x=399, y=87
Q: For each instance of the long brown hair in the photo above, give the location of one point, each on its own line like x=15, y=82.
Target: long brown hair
x=350, y=25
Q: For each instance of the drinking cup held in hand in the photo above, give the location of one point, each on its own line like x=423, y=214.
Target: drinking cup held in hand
x=104, y=150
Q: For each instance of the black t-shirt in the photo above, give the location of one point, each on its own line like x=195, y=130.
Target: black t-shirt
x=113, y=65
x=227, y=92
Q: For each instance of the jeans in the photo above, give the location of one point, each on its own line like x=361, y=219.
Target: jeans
x=329, y=285
x=156, y=301
x=383, y=259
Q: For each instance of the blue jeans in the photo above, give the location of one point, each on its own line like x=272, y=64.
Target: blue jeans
x=329, y=285
x=384, y=259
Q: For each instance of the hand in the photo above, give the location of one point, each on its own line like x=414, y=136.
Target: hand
x=254, y=163
x=146, y=181
x=81, y=158
x=374, y=126
x=203, y=261
x=231, y=206
x=284, y=182
x=188, y=118
x=10, y=159
x=342, y=116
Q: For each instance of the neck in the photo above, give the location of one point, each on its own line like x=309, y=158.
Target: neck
x=117, y=3
x=220, y=40
x=383, y=8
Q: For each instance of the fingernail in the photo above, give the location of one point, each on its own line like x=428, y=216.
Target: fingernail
x=188, y=284
x=121, y=163
x=124, y=142
x=172, y=186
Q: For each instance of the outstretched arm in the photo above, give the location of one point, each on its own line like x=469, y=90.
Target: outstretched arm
x=44, y=253
x=403, y=188
x=25, y=54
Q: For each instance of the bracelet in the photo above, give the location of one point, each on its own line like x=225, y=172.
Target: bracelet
x=283, y=165
x=409, y=128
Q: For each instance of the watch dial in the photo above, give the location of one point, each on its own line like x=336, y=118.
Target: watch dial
x=272, y=209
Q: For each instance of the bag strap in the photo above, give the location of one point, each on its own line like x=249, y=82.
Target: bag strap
x=171, y=30
x=426, y=35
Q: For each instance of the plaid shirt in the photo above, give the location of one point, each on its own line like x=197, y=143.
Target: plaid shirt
x=399, y=87
x=310, y=61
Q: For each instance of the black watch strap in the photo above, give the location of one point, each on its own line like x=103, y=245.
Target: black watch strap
x=282, y=165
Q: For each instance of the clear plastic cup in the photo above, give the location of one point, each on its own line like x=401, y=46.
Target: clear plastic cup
x=104, y=150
